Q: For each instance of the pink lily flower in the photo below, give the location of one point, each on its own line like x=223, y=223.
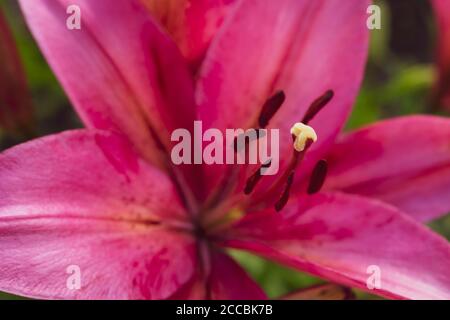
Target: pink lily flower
x=108, y=200
x=15, y=101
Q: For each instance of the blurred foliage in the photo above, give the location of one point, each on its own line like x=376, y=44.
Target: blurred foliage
x=398, y=81
x=53, y=110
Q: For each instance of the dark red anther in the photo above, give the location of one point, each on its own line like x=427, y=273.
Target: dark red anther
x=270, y=107
x=318, y=177
x=238, y=148
x=255, y=177
x=317, y=105
x=279, y=205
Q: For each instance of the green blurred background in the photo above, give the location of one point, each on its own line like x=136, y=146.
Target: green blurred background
x=399, y=78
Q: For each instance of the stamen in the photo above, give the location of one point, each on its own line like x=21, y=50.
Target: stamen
x=286, y=178
x=239, y=147
x=255, y=177
x=301, y=134
x=303, y=137
x=281, y=203
x=317, y=105
x=270, y=107
x=318, y=177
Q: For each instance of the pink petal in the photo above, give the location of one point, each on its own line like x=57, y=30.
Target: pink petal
x=226, y=281
x=15, y=101
x=85, y=199
x=194, y=289
x=191, y=23
x=442, y=12
x=340, y=237
x=404, y=161
x=300, y=46
x=120, y=71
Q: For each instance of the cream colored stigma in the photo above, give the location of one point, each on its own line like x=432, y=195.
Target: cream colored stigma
x=302, y=134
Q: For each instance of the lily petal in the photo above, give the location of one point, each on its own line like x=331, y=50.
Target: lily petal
x=226, y=281
x=342, y=237
x=15, y=102
x=403, y=161
x=299, y=46
x=442, y=12
x=120, y=71
x=191, y=23
x=83, y=202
